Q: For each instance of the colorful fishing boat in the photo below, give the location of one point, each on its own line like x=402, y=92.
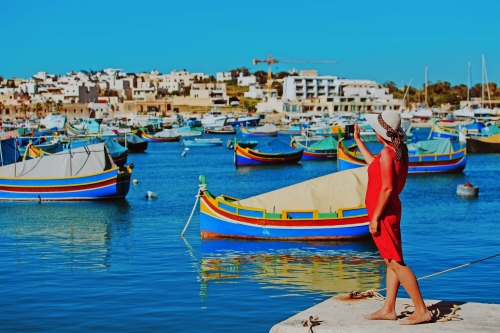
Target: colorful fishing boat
x=72, y=131
x=486, y=145
x=438, y=132
x=273, y=152
x=262, y=131
x=433, y=156
x=86, y=173
x=296, y=212
x=317, y=150
x=168, y=135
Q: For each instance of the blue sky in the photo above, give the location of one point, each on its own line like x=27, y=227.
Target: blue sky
x=378, y=40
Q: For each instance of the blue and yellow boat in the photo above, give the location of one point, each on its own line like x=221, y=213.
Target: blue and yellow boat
x=297, y=212
x=432, y=156
x=438, y=132
x=317, y=150
x=86, y=173
x=273, y=152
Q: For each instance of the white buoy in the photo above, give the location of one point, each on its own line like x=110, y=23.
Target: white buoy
x=467, y=190
x=186, y=149
x=135, y=181
x=183, y=154
x=151, y=195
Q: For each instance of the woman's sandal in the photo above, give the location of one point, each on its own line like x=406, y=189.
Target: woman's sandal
x=388, y=316
x=424, y=319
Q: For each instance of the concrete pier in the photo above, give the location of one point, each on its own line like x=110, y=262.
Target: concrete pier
x=345, y=316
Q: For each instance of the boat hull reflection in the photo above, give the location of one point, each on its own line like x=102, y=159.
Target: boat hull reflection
x=331, y=268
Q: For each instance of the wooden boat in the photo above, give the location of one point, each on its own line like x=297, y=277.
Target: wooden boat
x=263, y=131
x=273, y=152
x=157, y=137
x=72, y=131
x=418, y=162
x=317, y=150
x=202, y=142
x=219, y=129
x=50, y=147
x=438, y=132
x=295, y=212
x=486, y=145
x=86, y=173
x=134, y=143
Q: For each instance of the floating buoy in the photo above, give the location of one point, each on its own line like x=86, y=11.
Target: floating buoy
x=135, y=181
x=151, y=195
x=183, y=154
x=186, y=149
x=467, y=190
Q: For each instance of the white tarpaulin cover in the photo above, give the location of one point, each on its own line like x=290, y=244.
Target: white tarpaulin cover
x=83, y=161
x=167, y=133
x=328, y=193
x=263, y=129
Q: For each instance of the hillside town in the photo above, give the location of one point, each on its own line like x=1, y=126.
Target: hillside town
x=113, y=93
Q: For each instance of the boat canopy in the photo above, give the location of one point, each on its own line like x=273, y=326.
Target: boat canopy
x=326, y=143
x=276, y=147
x=491, y=139
x=81, y=161
x=114, y=148
x=491, y=130
x=167, y=133
x=433, y=147
x=132, y=138
x=8, y=152
x=328, y=193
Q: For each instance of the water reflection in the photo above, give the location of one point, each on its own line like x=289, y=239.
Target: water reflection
x=329, y=268
x=64, y=234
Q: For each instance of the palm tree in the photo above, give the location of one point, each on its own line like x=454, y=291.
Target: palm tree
x=37, y=108
x=48, y=104
x=24, y=108
x=59, y=107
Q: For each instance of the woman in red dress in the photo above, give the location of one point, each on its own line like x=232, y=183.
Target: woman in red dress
x=386, y=179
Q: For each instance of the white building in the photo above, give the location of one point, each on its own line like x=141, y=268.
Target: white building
x=244, y=81
x=223, y=76
x=331, y=94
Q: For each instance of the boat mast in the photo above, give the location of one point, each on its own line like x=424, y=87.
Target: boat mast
x=487, y=83
x=468, y=82
x=425, y=86
x=482, y=81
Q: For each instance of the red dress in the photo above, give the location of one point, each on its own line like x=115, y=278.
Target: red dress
x=389, y=239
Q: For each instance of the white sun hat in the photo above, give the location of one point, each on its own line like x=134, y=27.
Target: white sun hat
x=391, y=118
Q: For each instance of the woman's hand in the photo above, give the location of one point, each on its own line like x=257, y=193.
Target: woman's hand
x=357, y=136
x=374, y=227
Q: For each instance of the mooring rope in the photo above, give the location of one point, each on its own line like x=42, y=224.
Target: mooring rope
x=453, y=308
x=201, y=188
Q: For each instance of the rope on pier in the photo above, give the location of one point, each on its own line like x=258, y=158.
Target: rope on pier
x=434, y=308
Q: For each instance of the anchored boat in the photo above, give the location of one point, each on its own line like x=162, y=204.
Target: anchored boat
x=431, y=156
x=325, y=208
x=273, y=152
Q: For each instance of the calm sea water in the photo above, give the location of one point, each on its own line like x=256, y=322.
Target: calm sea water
x=123, y=267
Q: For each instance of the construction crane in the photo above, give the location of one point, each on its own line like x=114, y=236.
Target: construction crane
x=271, y=61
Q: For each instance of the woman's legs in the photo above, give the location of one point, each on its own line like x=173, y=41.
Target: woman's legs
x=406, y=277
x=392, y=284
